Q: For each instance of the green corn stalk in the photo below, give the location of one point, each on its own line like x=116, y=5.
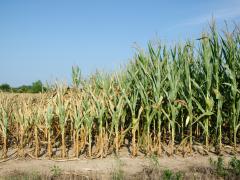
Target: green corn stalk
x=231, y=56
x=88, y=117
x=158, y=85
x=76, y=76
x=188, y=94
x=216, y=59
x=142, y=79
x=116, y=112
x=158, y=109
x=149, y=118
x=100, y=111
x=205, y=54
x=63, y=117
x=149, y=111
x=132, y=104
x=100, y=94
x=173, y=75
x=235, y=100
x=130, y=95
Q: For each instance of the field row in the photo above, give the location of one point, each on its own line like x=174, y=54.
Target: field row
x=173, y=97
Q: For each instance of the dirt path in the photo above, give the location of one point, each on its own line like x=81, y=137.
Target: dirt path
x=132, y=168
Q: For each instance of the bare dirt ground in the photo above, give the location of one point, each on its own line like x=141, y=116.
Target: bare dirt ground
x=195, y=166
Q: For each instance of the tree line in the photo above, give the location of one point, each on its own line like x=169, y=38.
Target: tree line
x=36, y=87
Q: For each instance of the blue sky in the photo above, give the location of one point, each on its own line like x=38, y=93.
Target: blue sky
x=42, y=39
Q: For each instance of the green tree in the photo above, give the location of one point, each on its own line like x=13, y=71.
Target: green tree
x=37, y=87
x=5, y=87
x=23, y=89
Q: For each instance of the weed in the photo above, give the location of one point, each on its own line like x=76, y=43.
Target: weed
x=167, y=174
x=56, y=171
x=234, y=165
x=219, y=166
x=170, y=175
x=179, y=175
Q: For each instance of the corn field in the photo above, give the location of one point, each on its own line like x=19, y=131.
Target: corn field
x=166, y=100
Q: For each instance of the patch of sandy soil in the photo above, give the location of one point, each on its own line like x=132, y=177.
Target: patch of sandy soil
x=141, y=167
